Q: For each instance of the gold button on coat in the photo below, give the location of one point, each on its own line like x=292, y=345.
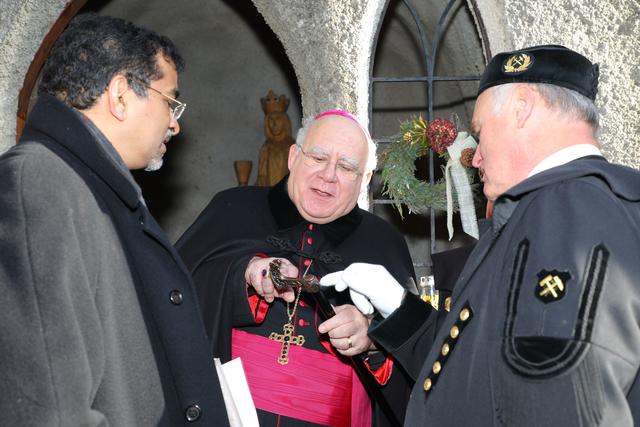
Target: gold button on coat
x=427, y=384
x=445, y=349
x=437, y=367
x=464, y=315
x=455, y=331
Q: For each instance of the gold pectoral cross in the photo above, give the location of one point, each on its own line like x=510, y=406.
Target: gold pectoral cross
x=286, y=338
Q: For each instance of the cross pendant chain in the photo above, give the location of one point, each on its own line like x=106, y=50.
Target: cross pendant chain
x=286, y=338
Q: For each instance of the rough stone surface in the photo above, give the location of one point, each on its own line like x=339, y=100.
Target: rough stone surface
x=491, y=14
x=607, y=32
x=329, y=44
x=23, y=25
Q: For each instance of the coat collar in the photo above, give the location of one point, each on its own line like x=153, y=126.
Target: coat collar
x=65, y=127
x=623, y=181
x=286, y=215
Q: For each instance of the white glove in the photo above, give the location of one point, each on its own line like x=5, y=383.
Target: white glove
x=370, y=285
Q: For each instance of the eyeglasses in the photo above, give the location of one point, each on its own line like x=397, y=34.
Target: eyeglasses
x=176, y=107
x=344, y=169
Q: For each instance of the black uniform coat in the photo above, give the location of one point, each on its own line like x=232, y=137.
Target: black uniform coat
x=544, y=327
x=242, y=222
x=100, y=324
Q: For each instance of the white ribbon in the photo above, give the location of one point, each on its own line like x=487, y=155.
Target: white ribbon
x=456, y=172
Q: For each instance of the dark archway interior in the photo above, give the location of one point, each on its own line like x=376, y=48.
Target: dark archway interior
x=400, y=53
x=234, y=59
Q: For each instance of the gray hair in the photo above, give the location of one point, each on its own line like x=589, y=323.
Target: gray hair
x=566, y=102
x=372, y=159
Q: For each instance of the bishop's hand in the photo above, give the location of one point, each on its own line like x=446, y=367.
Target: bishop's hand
x=257, y=276
x=347, y=330
x=370, y=286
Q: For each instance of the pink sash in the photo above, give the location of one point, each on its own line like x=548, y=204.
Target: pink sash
x=315, y=387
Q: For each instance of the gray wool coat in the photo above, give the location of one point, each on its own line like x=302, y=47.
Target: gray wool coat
x=99, y=324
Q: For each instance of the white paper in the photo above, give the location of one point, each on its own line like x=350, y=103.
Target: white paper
x=235, y=390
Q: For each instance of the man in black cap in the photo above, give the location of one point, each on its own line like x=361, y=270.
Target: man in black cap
x=544, y=325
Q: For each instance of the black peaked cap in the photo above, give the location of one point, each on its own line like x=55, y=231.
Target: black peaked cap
x=552, y=64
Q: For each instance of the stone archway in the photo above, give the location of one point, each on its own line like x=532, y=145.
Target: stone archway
x=608, y=33
x=39, y=59
x=346, y=28
x=24, y=25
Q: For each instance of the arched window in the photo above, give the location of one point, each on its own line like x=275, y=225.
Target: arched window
x=427, y=62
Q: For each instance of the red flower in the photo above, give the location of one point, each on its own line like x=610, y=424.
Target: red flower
x=441, y=133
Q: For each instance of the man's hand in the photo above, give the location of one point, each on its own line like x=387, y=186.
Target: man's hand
x=257, y=276
x=347, y=330
x=369, y=285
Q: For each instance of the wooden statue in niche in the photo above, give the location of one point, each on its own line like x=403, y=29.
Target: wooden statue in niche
x=272, y=163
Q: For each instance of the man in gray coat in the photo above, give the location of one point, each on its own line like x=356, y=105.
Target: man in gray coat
x=100, y=324
x=544, y=328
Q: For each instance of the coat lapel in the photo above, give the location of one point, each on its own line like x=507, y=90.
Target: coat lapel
x=58, y=122
x=502, y=211
x=476, y=258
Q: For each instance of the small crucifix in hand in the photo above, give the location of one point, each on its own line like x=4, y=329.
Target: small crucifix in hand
x=286, y=338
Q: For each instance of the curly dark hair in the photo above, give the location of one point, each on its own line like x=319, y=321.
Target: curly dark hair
x=95, y=48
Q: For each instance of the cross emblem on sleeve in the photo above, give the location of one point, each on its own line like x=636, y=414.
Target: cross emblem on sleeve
x=287, y=339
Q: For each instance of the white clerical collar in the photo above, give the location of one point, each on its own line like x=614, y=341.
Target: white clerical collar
x=565, y=156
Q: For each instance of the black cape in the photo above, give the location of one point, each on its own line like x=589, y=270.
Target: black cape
x=242, y=222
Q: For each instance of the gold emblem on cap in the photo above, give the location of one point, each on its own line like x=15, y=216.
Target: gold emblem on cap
x=552, y=286
x=517, y=63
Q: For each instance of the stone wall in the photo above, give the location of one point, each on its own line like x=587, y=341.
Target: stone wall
x=329, y=45
x=607, y=32
x=23, y=26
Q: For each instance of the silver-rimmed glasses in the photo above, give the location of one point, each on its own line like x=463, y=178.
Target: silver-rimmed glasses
x=319, y=160
x=176, y=107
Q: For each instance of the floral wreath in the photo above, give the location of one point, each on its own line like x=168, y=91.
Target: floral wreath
x=414, y=140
